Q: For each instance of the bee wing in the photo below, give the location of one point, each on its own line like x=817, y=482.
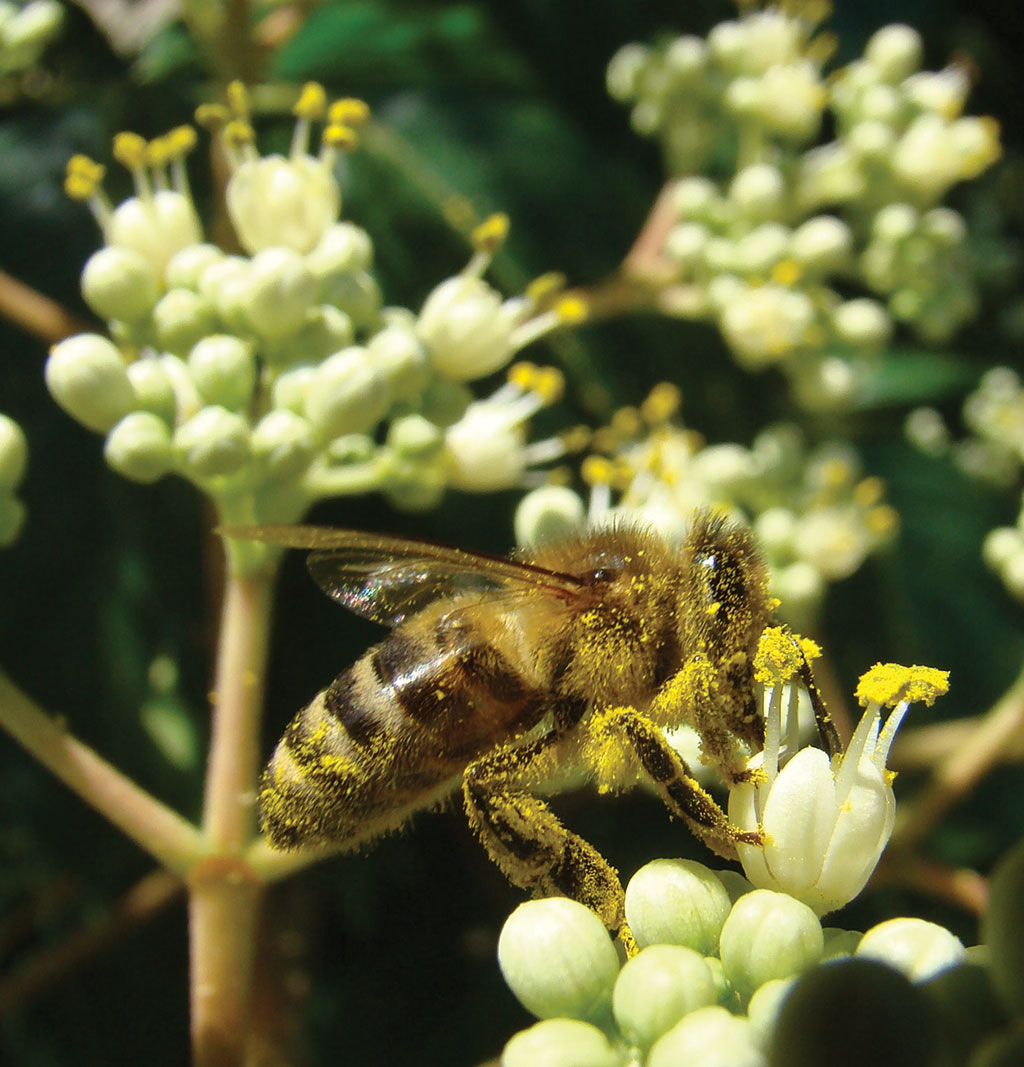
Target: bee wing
x=386, y=579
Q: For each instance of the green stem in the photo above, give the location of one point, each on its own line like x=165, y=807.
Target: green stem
x=164, y=834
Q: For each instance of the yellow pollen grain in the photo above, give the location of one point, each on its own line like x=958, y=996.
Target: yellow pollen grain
x=312, y=102
x=349, y=111
x=779, y=656
x=490, y=235
x=889, y=684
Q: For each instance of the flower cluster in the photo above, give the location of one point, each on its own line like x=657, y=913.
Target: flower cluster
x=993, y=452
x=25, y=30
x=13, y=458
x=720, y=955
x=276, y=377
x=815, y=515
x=774, y=229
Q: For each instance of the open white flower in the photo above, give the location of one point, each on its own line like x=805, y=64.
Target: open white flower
x=827, y=817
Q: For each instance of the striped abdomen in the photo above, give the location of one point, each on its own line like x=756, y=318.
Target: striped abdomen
x=393, y=734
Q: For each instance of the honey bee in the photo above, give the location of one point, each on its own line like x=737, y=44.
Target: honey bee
x=502, y=674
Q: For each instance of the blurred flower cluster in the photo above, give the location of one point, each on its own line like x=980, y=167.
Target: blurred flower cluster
x=805, y=253
x=276, y=376
x=25, y=30
x=816, y=516
x=13, y=459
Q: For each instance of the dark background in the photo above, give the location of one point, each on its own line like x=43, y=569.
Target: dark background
x=389, y=957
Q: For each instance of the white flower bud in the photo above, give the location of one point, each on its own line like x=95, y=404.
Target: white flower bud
x=28, y=30
x=278, y=202
x=895, y=52
x=728, y=44
x=403, y=359
x=326, y=329
x=283, y=444
x=894, y=224
x=186, y=395
x=12, y=518
x=548, y=514
x=945, y=226
x=560, y=1043
x=768, y=324
x=291, y=386
x=139, y=447
x=677, y=902
x=185, y=267
x=119, y=283
x=924, y=158
x=558, y=959
x=413, y=436
x=224, y=370
x=213, y=443
x=834, y=539
x=154, y=391
x=862, y=323
x=347, y=394
x=486, y=452
x=822, y=244
x=765, y=1005
x=769, y=935
x=694, y=198
x=881, y=104
x=829, y=174
x=840, y=944
x=927, y=431
x=625, y=70
x=13, y=453
x=758, y=191
x=657, y=988
x=1001, y=545
x=685, y=244
x=871, y=142
x=344, y=249
x=181, y=318
x=467, y=328
x=226, y=285
x=775, y=530
x=942, y=92
x=759, y=251
x=686, y=58
x=155, y=227
x=712, y=1037
x=1012, y=574
x=445, y=403
x=281, y=292
x=86, y=375
x=919, y=949
x=356, y=293
x=801, y=588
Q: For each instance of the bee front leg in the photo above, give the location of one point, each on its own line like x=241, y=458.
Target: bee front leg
x=531, y=846
x=667, y=770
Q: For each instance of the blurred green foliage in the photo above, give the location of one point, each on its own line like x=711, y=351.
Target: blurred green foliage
x=391, y=955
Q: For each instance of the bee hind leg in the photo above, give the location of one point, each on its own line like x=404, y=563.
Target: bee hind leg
x=532, y=848
x=668, y=772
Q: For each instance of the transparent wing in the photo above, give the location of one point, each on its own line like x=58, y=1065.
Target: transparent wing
x=386, y=579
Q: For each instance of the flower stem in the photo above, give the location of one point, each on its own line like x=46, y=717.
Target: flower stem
x=163, y=833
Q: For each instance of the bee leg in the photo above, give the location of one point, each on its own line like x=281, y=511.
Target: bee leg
x=531, y=846
x=679, y=790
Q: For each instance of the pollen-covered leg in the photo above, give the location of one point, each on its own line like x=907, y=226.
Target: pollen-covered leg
x=668, y=772
x=533, y=849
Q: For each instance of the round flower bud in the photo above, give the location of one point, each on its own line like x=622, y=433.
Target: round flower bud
x=560, y=1043
x=712, y=1037
x=918, y=948
x=677, y=902
x=894, y=224
x=12, y=518
x=186, y=395
x=686, y=243
x=156, y=227
x=326, y=329
x=344, y=249
x=356, y=293
x=283, y=444
x=558, y=959
x=86, y=375
x=765, y=1005
x=871, y=141
x=657, y=988
x=153, y=388
x=547, y=514
x=402, y=357
x=350, y=448
x=13, y=453
x=185, y=268
x=467, y=328
x=736, y=884
x=863, y=323
x=413, y=436
x=139, y=447
x=686, y=57
x=224, y=370
x=821, y=244
x=759, y=251
x=694, y=198
x=444, y=403
x=895, y=52
x=28, y=30
x=768, y=935
x=1000, y=546
x=347, y=394
x=281, y=292
x=839, y=944
x=226, y=285
x=214, y=443
x=120, y=283
x=181, y=318
x=775, y=530
x=625, y=70
x=291, y=386
x=758, y=191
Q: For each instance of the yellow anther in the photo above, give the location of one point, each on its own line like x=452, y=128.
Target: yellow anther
x=883, y=521
x=988, y=151
x=212, y=116
x=781, y=654
x=158, y=152
x=576, y=438
x=490, y=235
x=597, y=470
x=79, y=186
x=522, y=374
x=541, y=290
x=626, y=422
x=130, y=149
x=349, y=111
x=238, y=132
x=622, y=474
x=344, y=138
x=561, y=476
x=835, y=472
x=238, y=99
x=787, y=272
x=869, y=491
x=572, y=310
x=549, y=384
x=890, y=684
x=458, y=212
x=661, y=403
x=312, y=102
x=181, y=140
